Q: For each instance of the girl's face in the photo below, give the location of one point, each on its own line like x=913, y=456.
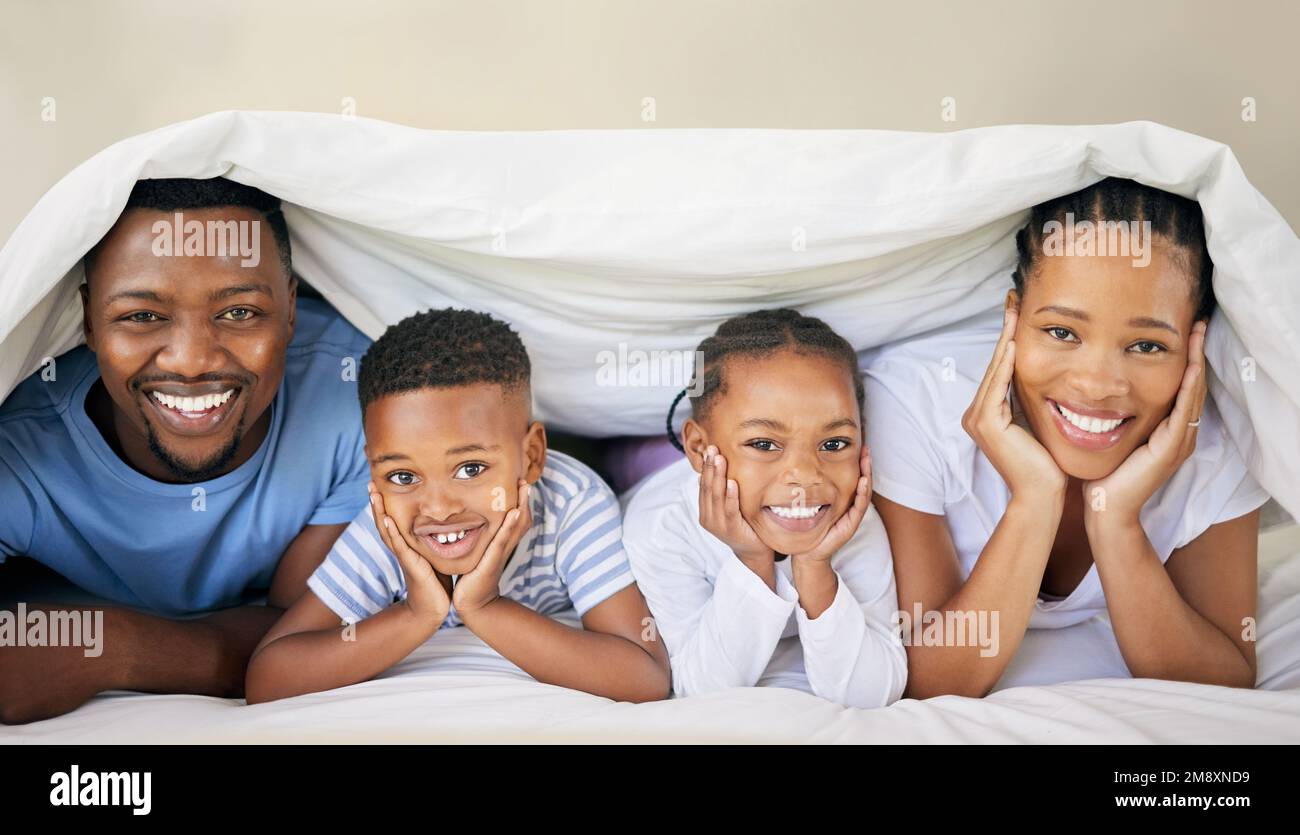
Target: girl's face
x=790, y=429
x=1101, y=347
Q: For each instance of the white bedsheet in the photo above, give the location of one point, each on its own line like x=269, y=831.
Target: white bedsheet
x=588, y=240
x=455, y=689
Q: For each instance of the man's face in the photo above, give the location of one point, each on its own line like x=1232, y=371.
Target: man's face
x=191, y=349
x=448, y=463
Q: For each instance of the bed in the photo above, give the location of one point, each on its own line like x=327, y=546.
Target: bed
x=455, y=689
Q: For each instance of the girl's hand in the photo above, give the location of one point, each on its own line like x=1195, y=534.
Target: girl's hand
x=426, y=596
x=847, y=525
x=1118, y=498
x=720, y=511
x=482, y=585
x=1024, y=464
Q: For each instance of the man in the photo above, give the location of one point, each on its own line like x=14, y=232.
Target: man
x=202, y=449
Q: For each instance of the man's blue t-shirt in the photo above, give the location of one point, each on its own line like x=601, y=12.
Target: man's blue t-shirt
x=68, y=501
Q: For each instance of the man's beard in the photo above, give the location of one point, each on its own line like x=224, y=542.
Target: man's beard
x=203, y=470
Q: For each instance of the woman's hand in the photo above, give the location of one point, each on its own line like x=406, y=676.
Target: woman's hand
x=482, y=585
x=1024, y=464
x=720, y=512
x=1118, y=498
x=426, y=597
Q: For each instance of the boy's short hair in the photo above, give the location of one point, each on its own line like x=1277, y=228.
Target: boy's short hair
x=442, y=349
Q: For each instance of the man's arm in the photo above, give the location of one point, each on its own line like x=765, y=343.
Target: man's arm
x=303, y=556
x=205, y=656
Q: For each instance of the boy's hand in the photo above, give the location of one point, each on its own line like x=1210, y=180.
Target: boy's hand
x=475, y=590
x=426, y=597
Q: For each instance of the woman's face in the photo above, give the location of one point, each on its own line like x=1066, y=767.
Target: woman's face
x=1101, y=347
x=790, y=429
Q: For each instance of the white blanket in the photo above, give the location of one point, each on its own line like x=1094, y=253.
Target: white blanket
x=456, y=689
x=588, y=240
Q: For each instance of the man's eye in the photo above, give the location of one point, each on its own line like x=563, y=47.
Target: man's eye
x=471, y=470
x=763, y=445
x=835, y=444
x=143, y=316
x=1147, y=347
x=1062, y=334
x=239, y=314
x=402, y=478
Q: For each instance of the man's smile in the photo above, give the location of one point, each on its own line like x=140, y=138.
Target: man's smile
x=193, y=410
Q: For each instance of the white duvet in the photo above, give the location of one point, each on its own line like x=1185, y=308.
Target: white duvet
x=594, y=243
x=591, y=240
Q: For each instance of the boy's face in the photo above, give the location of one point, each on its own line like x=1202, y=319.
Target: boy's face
x=448, y=461
x=790, y=430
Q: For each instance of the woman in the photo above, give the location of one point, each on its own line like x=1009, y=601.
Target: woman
x=1085, y=473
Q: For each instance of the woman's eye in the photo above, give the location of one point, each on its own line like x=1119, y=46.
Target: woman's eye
x=143, y=316
x=763, y=445
x=472, y=470
x=1062, y=334
x=1145, y=347
x=239, y=314
x=835, y=445
x=402, y=478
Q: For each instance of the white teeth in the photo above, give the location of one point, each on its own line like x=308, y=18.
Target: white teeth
x=447, y=538
x=1096, y=426
x=202, y=403
x=795, y=511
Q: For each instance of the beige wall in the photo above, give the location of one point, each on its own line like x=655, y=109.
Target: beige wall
x=118, y=68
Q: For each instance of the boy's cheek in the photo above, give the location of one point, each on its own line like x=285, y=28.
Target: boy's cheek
x=398, y=508
x=496, y=500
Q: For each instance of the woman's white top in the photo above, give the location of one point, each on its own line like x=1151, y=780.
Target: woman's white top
x=922, y=458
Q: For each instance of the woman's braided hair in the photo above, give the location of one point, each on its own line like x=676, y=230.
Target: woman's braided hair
x=1176, y=219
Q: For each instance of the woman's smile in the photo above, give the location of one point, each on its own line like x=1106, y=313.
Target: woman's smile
x=1091, y=429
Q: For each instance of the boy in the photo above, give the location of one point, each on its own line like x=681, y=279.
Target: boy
x=471, y=523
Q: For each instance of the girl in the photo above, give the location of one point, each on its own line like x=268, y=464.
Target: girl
x=765, y=532
x=1085, y=473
